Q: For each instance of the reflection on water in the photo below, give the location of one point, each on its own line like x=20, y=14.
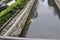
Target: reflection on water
x=33, y=15
x=46, y=21
x=52, y=3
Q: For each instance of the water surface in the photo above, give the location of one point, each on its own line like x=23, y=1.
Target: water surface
x=46, y=20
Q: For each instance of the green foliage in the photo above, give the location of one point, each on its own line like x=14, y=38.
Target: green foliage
x=6, y=1
x=7, y=13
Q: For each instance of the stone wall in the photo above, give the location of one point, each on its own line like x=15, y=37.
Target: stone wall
x=17, y=27
x=58, y=3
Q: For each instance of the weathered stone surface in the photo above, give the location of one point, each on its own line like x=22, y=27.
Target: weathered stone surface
x=58, y=3
x=19, y=23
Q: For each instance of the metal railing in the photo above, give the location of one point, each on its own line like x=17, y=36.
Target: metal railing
x=20, y=38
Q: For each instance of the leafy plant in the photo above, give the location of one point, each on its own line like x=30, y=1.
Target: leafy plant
x=9, y=12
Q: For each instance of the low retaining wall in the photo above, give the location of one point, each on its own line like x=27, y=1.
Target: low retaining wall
x=58, y=3
x=18, y=38
x=17, y=27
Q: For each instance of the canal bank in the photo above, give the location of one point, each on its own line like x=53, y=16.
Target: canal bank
x=46, y=21
x=58, y=3
x=15, y=26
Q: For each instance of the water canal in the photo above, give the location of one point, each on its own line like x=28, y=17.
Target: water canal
x=46, y=21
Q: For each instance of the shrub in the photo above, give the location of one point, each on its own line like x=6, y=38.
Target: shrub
x=9, y=12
